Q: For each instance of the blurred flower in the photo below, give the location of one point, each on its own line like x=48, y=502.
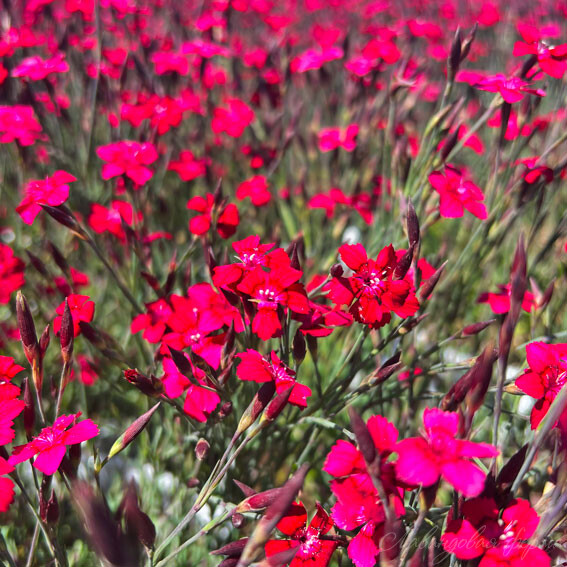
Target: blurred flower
x=11, y=273
x=128, y=158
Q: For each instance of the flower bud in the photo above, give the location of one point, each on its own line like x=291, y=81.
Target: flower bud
x=150, y=386
x=58, y=257
x=450, y=143
x=258, y=501
x=299, y=348
x=476, y=328
x=226, y=410
x=65, y=217
x=429, y=285
x=257, y=405
x=363, y=437
x=202, y=449
x=412, y=225
x=66, y=334
x=137, y=522
x=44, y=340
x=454, y=56
x=237, y=520
x=52, y=510
x=336, y=270
x=275, y=407
x=26, y=327
x=132, y=431
x=404, y=264
x=29, y=409
x=232, y=549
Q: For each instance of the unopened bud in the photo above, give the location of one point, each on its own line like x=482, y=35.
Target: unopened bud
x=150, y=386
x=412, y=225
x=275, y=407
x=476, y=328
x=29, y=409
x=363, y=437
x=404, y=264
x=65, y=217
x=237, y=520
x=258, y=501
x=44, y=340
x=26, y=327
x=429, y=285
x=336, y=270
x=52, y=509
x=454, y=56
x=132, y=432
x=226, y=410
x=202, y=449
x=137, y=522
x=257, y=405
x=450, y=143
x=299, y=348
x=66, y=334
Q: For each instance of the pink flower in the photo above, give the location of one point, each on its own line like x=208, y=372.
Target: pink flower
x=82, y=309
x=51, y=191
x=312, y=551
x=128, y=158
x=8, y=369
x=423, y=460
x=546, y=375
x=551, y=59
x=110, y=220
x=333, y=138
x=51, y=443
x=457, y=194
x=257, y=189
x=153, y=322
x=315, y=58
x=9, y=410
x=6, y=485
x=226, y=217
x=187, y=167
x=511, y=89
x=497, y=537
x=253, y=366
x=18, y=123
x=232, y=118
x=11, y=273
x=36, y=69
x=500, y=301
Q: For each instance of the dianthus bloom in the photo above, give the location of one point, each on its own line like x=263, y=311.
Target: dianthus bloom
x=333, y=138
x=232, y=118
x=50, y=445
x=110, y=220
x=18, y=123
x=457, y=194
x=500, y=301
x=8, y=369
x=36, y=69
x=128, y=158
x=312, y=550
x=511, y=89
x=552, y=59
x=497, y=537
x=53, y=191
x=11, y=273
x=188, y=167
x=358, y=503
x=423, y=460
x=546, y=375
x=373, y=291
x=257, y=189
x=82, y=309
x=253, y=366
x=226, y=221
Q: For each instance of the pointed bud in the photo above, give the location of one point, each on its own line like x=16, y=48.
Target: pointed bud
x=66, y=334
x=150, y=386
x=58, y=258
x=52, y=509
x=137, y=522
x=450, y=143
x=29, y=409
x=27, y=328
x=132, y=432
x=38, y=265
x=232, y=549
x=275, y=407
x=363, y=437
x=258, y=501
x=429, y=285
x=202, y=449
x=476, y=328
x=404, y=264
x=44, y=340
x=65, y=217
x=454, y=56
x=299, y=348
x=467, y=42
x=389, y=367
x=246, y=490
x=510, y=470
x=256, y=407
x=412, y=225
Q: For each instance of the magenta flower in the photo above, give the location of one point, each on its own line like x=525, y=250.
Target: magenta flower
x=53, y=191
x=457, y=194
x=233, y=118
x=511, y=89
x=6, y=485
x=11, y=273
x=8, y=369
x=50, y=445
x=36, y=69
x=18, y=123
x=257, y=189
x=546, y=375
x=128, y=158
x=333, y=138
x=188, y=167
x=424, y=460
x=497, y=537
x=82, y=309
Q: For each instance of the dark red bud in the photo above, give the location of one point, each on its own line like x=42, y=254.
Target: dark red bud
x=226, y=410
x=237, y=520
x=404, y=264
x=150, y=386
x=276, y=406
x=363, y=437
x=476, y=328
x=65, y=217
x=455, y=55
x=137, y=522
x=202, y=449
x=336, y=270
x=66, y=334
x=29, y=408
x=429, y=285
x=256, y=406
x=299, y=347
x=412, y=224
x=44, y=340
x=232, y=549
x=26, y=327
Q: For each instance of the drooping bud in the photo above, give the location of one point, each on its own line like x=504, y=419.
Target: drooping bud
x=132, y=431
x=66, y=334
x=202, y=449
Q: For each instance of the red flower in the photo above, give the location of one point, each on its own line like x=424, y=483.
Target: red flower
x=272, y=290
x=312, y=551
x=110, y=220
x=153, y=322
x=187, y=167
x=51, y=443
x=457, y=194
x=199, y=402
x=233, y=118
x=18, y=123
x=253, y=366
x=500, y=301
x=372, y=292
x=51, y=191
x=358, y=503
x=546, y=375
x=128, y=158
x=11, y=273
x=170, y=62
x=9, y=410
x=534, y=172
x=6, y=485
x=333, y=138
x=226, y=221
x=8, y=369
x=496, y=537
x=423, y=460
x=551, y=59
x=82, y=309
x=36, y=69
x=511, y=89
x=315, y=58
x=257, y=189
